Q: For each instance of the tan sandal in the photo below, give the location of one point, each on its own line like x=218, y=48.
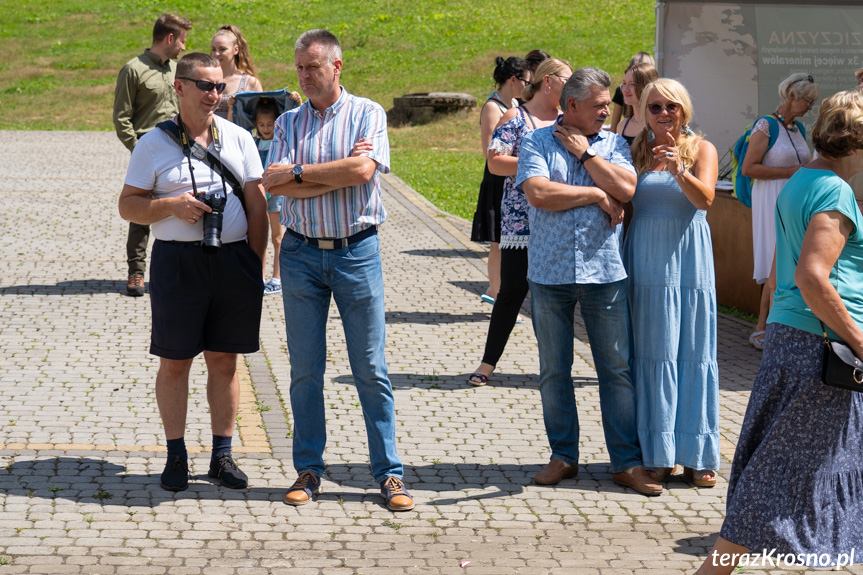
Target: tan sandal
x=700, y=478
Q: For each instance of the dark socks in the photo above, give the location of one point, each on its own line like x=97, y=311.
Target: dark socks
x=221, y=444
x=177, y=448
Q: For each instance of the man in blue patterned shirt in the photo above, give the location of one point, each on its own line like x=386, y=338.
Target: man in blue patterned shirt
x=576, y=177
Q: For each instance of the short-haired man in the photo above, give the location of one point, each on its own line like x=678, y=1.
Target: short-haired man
x=331, y=249
x=202, y=300
x=576, y=176
x=143, y=97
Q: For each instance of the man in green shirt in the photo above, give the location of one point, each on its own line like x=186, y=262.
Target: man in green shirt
x=145, y=96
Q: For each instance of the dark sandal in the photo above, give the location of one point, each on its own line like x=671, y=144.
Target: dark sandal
x=482, y=379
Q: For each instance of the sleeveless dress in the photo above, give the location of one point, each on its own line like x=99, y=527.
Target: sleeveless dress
x=672, y=304
x=789, y=150
x=222, y=110
x=486, y=218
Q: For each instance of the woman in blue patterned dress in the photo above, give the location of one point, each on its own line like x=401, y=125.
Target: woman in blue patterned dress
x=796, y=484
x=539, y=110
x=672, y=292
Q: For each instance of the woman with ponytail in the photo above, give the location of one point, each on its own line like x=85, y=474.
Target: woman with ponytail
x=541, y=98
x=229, y=47
x=511, y=76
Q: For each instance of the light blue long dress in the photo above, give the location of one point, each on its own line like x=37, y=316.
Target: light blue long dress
x=672, y=303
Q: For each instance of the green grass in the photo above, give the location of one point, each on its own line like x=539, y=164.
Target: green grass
x=59, y=60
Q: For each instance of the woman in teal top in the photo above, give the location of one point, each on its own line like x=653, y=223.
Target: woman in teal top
x=796, y=483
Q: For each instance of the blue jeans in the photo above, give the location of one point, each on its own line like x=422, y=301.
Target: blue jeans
x=606, y=317
x=354, y=279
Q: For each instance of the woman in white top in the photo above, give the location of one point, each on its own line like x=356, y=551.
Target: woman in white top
x=770, y=167
x=229, y=47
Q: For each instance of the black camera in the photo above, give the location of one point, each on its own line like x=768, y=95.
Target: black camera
x=213, y=220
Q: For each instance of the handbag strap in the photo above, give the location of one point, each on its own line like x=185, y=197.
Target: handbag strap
x=782, y=223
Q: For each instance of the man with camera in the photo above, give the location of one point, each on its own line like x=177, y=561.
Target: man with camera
x=143, y=97
x=197, y=181
x=326, y=158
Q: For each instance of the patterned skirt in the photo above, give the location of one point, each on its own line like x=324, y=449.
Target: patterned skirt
x=796, y=482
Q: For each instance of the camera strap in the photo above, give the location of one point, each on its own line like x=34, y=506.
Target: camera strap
x=180, y=138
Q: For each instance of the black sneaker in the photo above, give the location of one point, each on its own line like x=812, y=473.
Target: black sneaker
x=227, y=471
x=176, y=474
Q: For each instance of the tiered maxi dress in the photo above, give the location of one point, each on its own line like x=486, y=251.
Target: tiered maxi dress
x=672, y=304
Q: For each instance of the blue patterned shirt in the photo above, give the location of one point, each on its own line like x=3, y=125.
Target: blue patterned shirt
x=578, y=245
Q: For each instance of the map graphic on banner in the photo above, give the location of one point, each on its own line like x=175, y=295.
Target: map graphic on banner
x=732, y=57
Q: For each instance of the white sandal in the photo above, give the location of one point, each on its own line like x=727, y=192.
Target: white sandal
x=757, y=338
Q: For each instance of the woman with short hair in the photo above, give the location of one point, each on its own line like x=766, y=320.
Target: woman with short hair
x=770, y=167
x=796, y=484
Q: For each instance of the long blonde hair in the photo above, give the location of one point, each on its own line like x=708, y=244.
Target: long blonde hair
x=548, y=67
x=687, y=143
x=242, y=59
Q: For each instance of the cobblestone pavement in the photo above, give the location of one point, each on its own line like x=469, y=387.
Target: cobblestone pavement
x=81, y=445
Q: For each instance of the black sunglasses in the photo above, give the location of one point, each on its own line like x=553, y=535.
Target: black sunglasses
x=204, y=85
x=656, y=109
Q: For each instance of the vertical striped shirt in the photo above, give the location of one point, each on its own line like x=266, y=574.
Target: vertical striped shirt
x=305, y=136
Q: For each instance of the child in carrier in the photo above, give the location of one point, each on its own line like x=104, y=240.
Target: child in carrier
x=264, y=117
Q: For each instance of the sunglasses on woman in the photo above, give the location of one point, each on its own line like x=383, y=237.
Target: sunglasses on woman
x=204, y=85
x=656, y=109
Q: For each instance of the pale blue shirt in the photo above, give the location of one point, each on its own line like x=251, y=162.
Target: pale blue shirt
x=578, y=245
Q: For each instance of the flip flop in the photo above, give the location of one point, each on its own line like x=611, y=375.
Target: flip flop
x=483, y=379
x=757, y=338
x=519, y=320
x=487, y=298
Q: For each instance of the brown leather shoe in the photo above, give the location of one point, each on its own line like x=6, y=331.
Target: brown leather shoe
x=554, y=472
x=396, y=495
x=135, y=285
x=306, y=485
x=639, y=480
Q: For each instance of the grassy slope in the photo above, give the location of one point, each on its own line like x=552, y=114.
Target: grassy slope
x=59, y=59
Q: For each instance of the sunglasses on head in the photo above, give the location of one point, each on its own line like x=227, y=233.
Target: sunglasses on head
x=656, y=109
x=204, y=85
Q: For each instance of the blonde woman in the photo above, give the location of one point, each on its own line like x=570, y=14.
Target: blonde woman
x=671, y=288
x=229, y=47
x=541, y=98
x=796, y=484
x=770, y=167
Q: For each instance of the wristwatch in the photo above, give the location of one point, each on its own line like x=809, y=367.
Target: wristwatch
x=297, y=171
x=588, y=154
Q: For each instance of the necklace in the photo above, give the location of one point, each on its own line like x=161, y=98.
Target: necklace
x=790, y=126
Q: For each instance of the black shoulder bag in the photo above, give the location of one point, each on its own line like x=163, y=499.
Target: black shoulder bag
x=840, y=367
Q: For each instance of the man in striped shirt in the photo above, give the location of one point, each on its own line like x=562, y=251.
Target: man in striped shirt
x=325, y=159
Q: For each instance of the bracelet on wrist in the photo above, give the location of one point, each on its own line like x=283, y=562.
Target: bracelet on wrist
x=681, y=172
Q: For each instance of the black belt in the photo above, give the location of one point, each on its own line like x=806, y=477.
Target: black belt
x=337, y=243
x=197, y=243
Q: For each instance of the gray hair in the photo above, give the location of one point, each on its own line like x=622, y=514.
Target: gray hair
x=188, y=64
x=580, y=83
x=323, y=37
x=801, y=84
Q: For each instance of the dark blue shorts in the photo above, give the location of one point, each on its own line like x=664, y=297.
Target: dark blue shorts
x=204, y=301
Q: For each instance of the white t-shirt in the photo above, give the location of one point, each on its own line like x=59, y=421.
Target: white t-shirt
x=158, y=164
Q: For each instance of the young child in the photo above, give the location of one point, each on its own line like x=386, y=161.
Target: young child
x=265, y=118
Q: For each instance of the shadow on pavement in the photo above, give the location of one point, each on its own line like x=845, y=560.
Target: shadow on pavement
x=459, y=382
x=72, y=287
x=446, y=253
x=436, y=317
x=696, y=546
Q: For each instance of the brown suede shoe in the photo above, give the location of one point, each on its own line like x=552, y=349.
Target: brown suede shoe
x=135, y=285
x=306, y=485
x=554, y=472
x=396, y=495
x=639, y=480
